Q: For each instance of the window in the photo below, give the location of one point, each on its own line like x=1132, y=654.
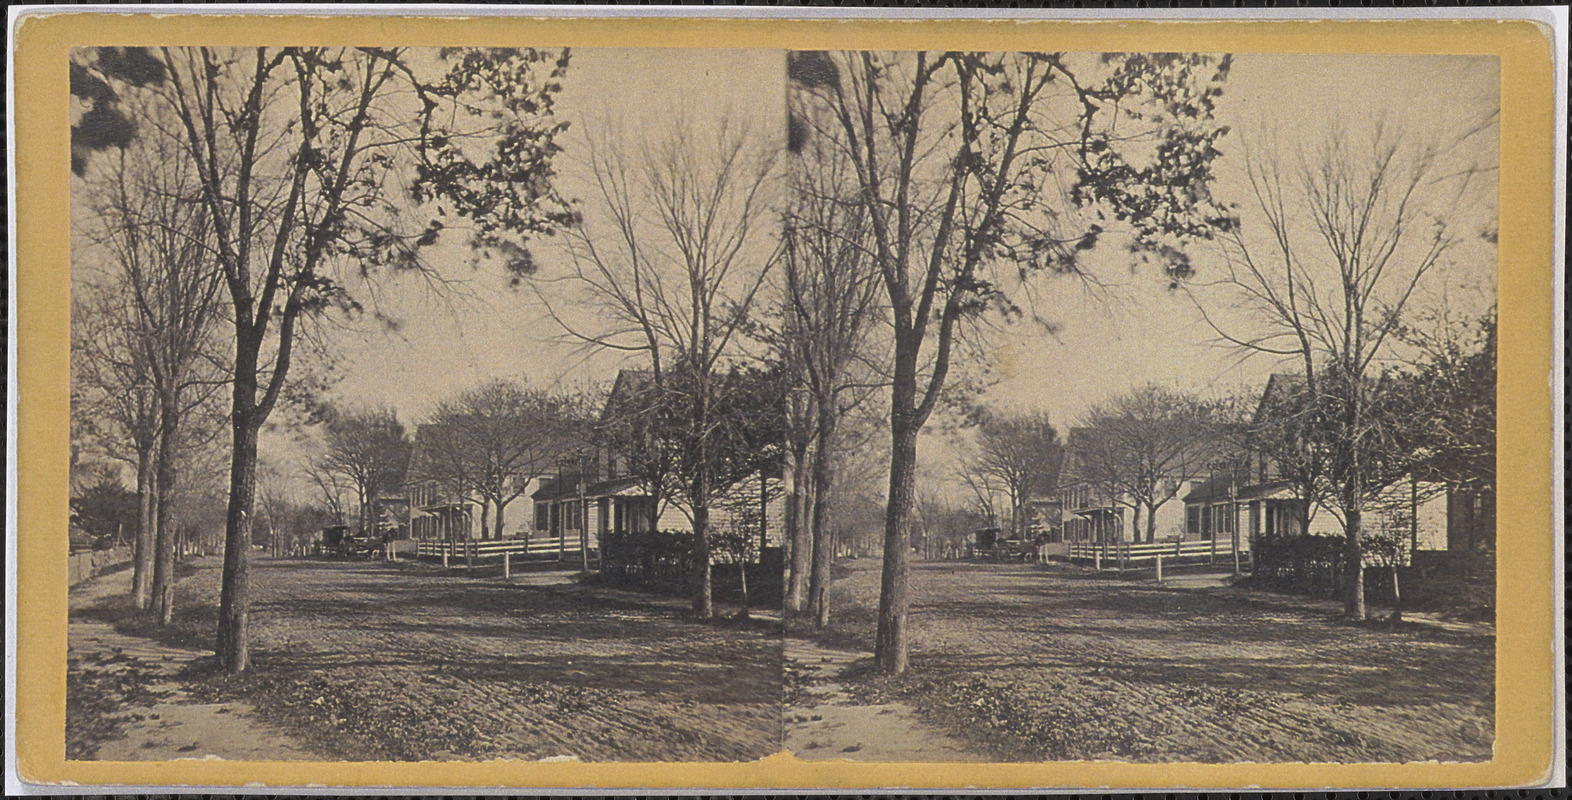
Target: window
x=1192, y=519
x=542, y=516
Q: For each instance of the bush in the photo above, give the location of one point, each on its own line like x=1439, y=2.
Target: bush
x=663, y=561
x=1306, y=564
x=648, y=558
x=1436, y=580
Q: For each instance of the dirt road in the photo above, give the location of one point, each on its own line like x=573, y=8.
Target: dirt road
x=1026, y=663
x=366, y=660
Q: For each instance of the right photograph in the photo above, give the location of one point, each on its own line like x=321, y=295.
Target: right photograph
x=1143, y=407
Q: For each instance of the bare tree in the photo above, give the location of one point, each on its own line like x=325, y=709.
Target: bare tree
x=159, y=236
x=985, y=488
x=830, y=302
x=113, y=405
x=143, y=217
x=367, y=451
x=330, y=485
x=672, y=258
x=1020, y=453
x=1453, y=398
x=273, y=497
x=961, y=162
x=296, y=154
x=1335, y=249
x=494, y=439
x=1144, y=446
x=799, y=500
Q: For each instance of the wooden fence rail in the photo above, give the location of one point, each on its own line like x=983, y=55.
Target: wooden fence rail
x=1125, y=553
x=538, y=548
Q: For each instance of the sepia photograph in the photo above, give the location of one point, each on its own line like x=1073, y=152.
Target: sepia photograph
x=724, y=404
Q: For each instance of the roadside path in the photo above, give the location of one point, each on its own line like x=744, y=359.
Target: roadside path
x=157, y=719
x=824, y=720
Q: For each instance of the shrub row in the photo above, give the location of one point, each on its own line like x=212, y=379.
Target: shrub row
x=663, y=561
x=1316, y=565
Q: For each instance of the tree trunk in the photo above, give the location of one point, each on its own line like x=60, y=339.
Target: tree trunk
x=164, y=540
x=146, y=527
x=823, y=549
x=703, y=590
x=498, y=527
x=798, y=530
x=1354, y=600
x=1151, y=524
x=699, y=578
x=894, y=590
x=234, y=635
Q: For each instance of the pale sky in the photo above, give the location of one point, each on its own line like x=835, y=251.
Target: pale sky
x=1131, y=331
x=445, y=345
x=1138, y=331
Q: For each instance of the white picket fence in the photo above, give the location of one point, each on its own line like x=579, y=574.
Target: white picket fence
x=496, y=548
x=1120, y=554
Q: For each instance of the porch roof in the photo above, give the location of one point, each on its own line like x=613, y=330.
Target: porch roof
x=617, y=487
x=440, y=508
x=1091, y=511
x=1209, y=490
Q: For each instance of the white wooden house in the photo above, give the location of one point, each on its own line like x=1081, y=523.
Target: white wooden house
x=596, y=494
x=1093, y=513
x=1257, y=498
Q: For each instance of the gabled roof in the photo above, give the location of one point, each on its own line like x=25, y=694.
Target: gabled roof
x=1068, y=464
x=1280, y=388
x=629, y=383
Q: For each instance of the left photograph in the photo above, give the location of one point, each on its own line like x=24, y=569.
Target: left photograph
x=425, y=406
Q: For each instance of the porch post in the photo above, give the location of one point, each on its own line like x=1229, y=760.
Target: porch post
x=583, y=527
x=1233, y=518
x=1212, y=558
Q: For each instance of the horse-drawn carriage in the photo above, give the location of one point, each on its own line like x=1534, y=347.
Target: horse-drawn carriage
x=342, y=540
x=993, y=544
